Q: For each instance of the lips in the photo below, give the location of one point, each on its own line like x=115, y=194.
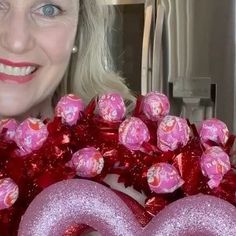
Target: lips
x=17, y=72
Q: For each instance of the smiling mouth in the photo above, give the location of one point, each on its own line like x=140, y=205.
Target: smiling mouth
x=17, y=71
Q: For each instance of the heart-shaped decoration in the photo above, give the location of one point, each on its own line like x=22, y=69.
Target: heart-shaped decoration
x=74, y=201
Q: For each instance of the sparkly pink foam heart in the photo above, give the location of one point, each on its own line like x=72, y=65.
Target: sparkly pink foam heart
x=85, y=202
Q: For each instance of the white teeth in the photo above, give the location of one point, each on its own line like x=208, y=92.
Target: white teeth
x=17, y=71
x=28, y=70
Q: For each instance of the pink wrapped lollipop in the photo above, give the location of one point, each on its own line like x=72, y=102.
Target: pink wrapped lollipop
x=69, y=108
x=163, y=178
x=111, y=107
x=155, y=106
x=172, y=132
x=30, y=135
x=215, y=163
x=8, y=193
x=88, y=162
x=10, y=125
x=214, y=130
x=133, y=133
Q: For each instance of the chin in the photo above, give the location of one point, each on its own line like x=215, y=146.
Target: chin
x=13, y=110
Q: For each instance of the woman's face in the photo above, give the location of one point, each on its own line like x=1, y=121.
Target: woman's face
x=36, y=39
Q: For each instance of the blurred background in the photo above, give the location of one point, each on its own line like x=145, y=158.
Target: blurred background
x=184, y=48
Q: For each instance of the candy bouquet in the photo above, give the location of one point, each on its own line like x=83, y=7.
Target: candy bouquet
x=52, y=171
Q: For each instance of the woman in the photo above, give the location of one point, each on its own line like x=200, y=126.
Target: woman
x=50, y=49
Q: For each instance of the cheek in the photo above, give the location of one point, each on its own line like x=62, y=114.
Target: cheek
x=56, y=42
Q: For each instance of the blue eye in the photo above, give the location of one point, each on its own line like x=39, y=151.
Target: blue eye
x=50, y=10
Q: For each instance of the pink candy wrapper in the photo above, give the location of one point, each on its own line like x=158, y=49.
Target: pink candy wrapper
x=215, y=163
x=70, y=108
x=155, y=106
x=133, y=133
x=87, y=162
x=8, y=193
x=172, y=132
x=214, y=130
x=111, y=107
x=163, y=178
x=10, y=125
x=30, y=135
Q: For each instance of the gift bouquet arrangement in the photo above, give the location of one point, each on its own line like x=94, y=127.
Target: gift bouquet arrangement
x=52, y=171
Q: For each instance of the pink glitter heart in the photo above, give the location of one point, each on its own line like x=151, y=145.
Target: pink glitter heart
x=85, y=202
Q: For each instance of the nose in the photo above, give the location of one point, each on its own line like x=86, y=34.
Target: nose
x=15, y=34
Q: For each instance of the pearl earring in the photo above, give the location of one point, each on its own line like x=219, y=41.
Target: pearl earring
x=74, y=49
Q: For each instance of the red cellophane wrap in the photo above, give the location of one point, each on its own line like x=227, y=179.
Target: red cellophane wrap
x=36, y=171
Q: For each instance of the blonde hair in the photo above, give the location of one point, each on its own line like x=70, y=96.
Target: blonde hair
x=90, y=71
